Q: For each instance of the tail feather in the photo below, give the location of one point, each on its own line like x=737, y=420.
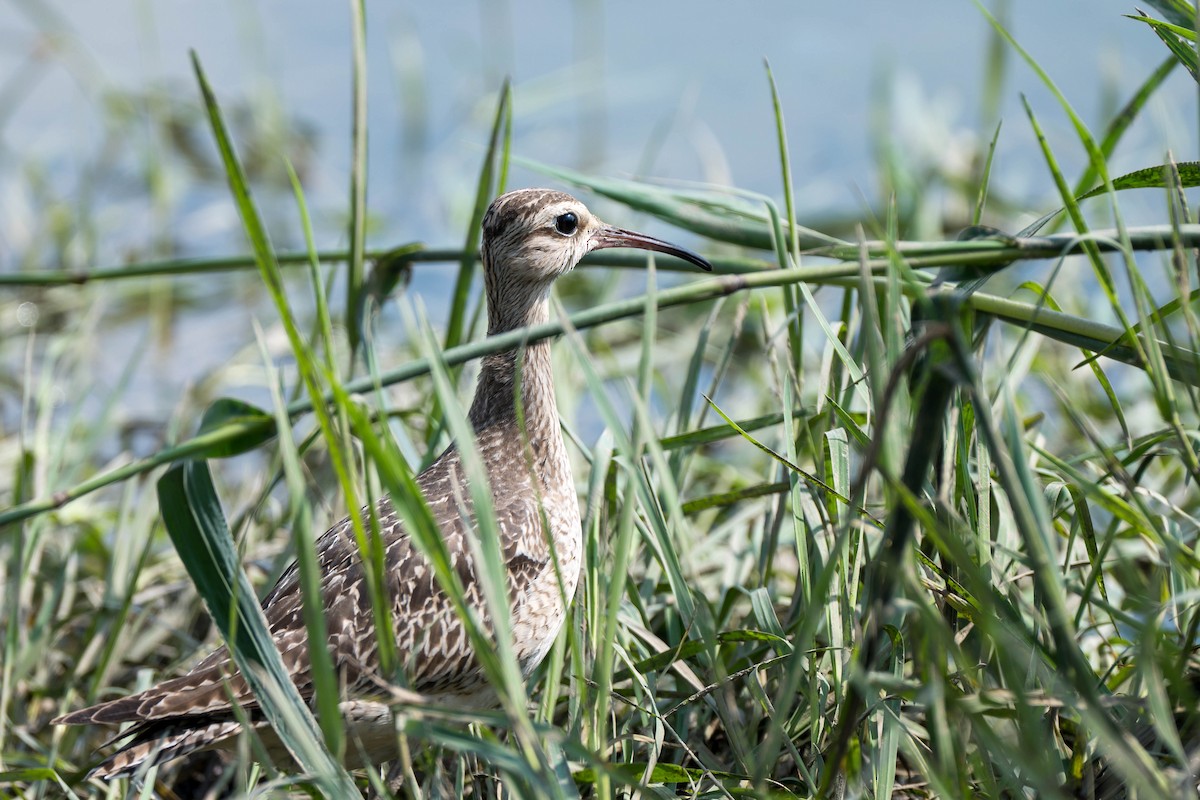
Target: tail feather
x=156, y=742
x=195, y=694
x=369, y=725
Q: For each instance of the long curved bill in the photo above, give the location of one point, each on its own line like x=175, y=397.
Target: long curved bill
x=609, y=236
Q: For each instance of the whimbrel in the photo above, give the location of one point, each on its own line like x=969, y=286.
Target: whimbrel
x=530, y=238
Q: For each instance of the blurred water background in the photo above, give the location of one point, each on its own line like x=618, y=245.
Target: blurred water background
x=105, y=158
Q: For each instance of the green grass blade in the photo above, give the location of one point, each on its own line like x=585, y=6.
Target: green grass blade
x=321, y=666
x=495, y=163
x=342, y=459
x=251, y=425
x=1176, y=39
x=1124, y=118
x=1180, y=12
x=355, y=273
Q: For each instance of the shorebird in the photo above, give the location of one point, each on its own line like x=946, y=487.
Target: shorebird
x=530, y=238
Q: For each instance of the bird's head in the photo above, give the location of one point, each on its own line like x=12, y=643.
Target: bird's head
x=532, y=236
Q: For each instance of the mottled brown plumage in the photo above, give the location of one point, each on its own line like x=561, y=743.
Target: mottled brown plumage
x=530, y=237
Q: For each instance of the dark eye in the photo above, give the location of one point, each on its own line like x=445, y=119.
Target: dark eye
x=566, y=224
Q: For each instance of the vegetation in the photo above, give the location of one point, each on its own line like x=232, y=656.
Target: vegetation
x=854, y=524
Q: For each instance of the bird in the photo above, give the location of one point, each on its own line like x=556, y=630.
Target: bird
x=530, y=237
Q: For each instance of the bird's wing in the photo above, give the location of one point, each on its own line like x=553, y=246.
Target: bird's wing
x=432, y=643
x=214, y=684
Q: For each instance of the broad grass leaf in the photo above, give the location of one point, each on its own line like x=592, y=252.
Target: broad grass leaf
x=238, y=426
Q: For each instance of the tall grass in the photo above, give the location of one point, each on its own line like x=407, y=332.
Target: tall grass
x=860, y=517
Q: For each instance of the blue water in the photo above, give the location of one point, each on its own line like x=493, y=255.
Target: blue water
x=671, y=90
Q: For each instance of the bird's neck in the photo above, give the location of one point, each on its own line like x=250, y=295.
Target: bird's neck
x=521, y=375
